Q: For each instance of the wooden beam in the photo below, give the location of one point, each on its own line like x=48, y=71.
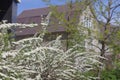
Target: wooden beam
x=8, y=10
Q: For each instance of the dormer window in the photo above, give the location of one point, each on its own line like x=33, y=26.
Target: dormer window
x=45, y=19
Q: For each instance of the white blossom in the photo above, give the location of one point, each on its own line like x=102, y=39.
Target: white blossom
x=30, y=60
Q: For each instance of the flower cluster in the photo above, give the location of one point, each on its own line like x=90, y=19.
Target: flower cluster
x=31, y=60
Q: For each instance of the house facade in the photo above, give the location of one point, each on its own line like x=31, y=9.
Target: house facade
x=42, y=15
x=39, y=16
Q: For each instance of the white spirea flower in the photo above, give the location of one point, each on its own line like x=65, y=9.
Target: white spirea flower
x=14, y=25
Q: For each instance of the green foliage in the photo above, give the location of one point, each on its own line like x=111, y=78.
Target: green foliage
x=108, y=75
x=113, y=74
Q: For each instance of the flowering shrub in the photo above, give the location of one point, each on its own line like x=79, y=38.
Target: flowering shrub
x=31, y=60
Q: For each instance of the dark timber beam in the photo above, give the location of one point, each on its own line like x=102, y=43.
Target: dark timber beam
x=8, y=10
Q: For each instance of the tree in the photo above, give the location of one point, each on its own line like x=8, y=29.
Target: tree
x=106, y=20
x=32, y=60
x=106, y=14
x=69, y=19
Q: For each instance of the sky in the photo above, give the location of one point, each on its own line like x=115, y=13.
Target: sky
x=31, y=4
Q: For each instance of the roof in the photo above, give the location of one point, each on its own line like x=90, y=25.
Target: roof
x=34, y=16
x=41, y=11
x=33, y=30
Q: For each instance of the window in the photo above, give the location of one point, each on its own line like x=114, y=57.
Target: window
x=45, y=19
x=87, y=22
x=43, y=16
